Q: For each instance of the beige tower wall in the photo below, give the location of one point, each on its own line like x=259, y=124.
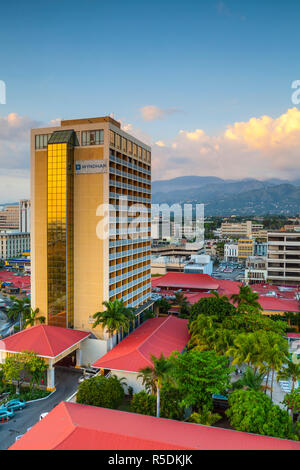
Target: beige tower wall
x=88, y=248
x=39, y=229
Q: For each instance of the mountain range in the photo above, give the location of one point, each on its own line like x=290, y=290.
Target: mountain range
x=227, y=197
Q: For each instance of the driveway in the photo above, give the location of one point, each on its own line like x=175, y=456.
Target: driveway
x=66, y=382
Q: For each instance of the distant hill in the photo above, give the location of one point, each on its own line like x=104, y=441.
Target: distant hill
x=227, y=197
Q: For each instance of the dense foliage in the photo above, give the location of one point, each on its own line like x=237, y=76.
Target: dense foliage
x=170, y=399
x=101, y=391
x=254, y=412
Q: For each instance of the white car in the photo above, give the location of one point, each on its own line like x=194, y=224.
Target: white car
x=43, y=415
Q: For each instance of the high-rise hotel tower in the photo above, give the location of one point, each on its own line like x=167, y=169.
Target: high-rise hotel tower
x=90, y=220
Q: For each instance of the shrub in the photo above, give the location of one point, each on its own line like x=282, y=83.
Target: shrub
x=170, y=408
x=143, y=403
x=254, y=412
x=101, y=391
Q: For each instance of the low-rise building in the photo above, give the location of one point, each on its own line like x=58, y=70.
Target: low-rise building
x=256, y=269
x=13, y=243
x=240, y=230
x=231, y=251
x=72, y=426
x=199, y=264
x=245, y=248
x=284, y=258
x=160, y=335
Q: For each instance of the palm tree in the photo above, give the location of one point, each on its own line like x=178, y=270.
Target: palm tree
x=19, y=309
x=292, y=371
x=33, y=317
x=275, y=352
x=251, y=380
x=205, y=417
x=246, y=297
x=183, y=304
x=155, y=376
x=247, y=349
x=116, y=317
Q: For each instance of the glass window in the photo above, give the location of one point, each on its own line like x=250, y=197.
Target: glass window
x=129, y=145
x=124, y=144
x=118, y=141
x=112, y=138
x=41, y=141
x=92, y=137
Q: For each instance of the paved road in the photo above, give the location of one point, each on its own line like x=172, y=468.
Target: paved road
x=66, y=385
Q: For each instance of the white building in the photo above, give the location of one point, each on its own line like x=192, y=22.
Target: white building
x=231, y=252
x=24, y=218
x=13, y=244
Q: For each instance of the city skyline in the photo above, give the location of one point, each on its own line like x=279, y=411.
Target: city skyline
x=207, y=84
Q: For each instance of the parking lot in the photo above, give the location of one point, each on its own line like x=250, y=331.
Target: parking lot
x=66, y=382
x=231, y=271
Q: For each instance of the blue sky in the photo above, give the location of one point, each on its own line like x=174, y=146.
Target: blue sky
x=205, y=64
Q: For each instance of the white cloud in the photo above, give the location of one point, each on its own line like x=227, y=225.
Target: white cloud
x=261, y=148
x=154, y=113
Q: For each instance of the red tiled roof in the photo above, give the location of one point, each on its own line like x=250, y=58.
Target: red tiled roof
x=44, y=340
x=293, y=335
x=71, y=426
x=155, y=336
x=282, y=305
x=186, y=281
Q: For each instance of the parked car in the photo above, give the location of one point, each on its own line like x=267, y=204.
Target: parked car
x=14, y=405
x=84, y=377
x=6, y=414
x=43, y=415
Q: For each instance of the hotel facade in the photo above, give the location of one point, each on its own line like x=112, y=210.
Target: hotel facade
x=90, y=221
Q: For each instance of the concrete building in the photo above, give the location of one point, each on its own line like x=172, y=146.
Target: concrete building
x=201, y=264
x=256, y=269
x=165, y=264
x=9, y=217
x=13, y=244
x=284, y=258
x=245, y=248
x=231, y=252
x=24, y=216
x=87, y=178
x=240, y=230
x=260, y=248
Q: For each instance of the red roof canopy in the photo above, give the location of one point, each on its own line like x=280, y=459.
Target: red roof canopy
x=155, y=336
x=281, y=305
x=44, y=340
x=71, y=426
x=186, y=281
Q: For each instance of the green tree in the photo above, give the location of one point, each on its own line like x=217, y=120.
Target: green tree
x=19, y=309
x=254, y=412
x=35, y=366
x=246, y=296
x=291, y=371
x=12, y=368
x=205, y=417
x=32, y=317
x=292, y=402
x=247, y=349
x=251, y=381
x=163, y=305
x=101, y=391
x=154, y=377
x=198, y=375
x=218, y=307
x=116, y=317
x=146, y=404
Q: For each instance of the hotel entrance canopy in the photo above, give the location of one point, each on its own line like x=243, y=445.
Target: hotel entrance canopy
x=52, y=343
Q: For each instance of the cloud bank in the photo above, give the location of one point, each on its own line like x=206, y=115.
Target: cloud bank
x=262, y=148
